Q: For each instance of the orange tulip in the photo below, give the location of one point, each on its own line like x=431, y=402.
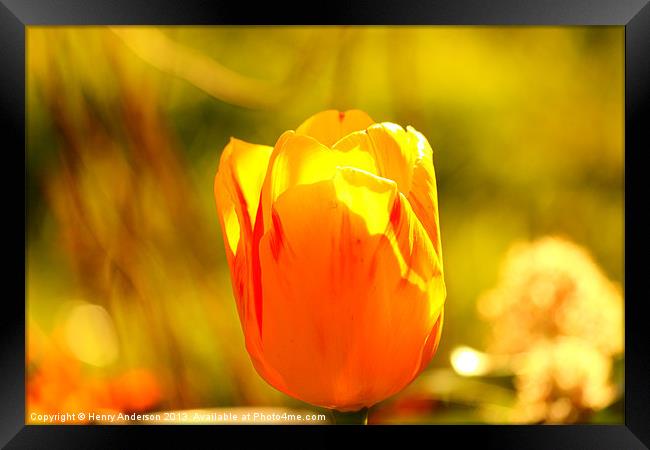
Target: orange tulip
x=333, y=242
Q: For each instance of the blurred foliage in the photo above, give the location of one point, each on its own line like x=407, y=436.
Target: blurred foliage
x=126, y=272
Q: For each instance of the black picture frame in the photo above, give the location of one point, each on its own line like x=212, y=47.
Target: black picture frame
x=634, y=15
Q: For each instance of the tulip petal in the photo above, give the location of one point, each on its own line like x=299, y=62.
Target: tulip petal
x=237, y=187
x=329, y=126
x=351, y=290
x=237, y=191
x=423, y=195
x=241, y=173
x=391, y=149
x=433, y=340
x=404, y=156
x=299, y=159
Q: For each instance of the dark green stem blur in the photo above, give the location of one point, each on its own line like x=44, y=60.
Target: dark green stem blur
x=351, y=418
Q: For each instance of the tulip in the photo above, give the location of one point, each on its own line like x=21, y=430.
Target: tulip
x=333, y=241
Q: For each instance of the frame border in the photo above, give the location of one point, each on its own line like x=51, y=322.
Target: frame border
x=16, y=15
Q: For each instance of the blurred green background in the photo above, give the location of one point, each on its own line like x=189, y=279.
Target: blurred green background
x=129, y=300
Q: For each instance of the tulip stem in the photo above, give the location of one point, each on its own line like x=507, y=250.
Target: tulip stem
x=351, y=418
